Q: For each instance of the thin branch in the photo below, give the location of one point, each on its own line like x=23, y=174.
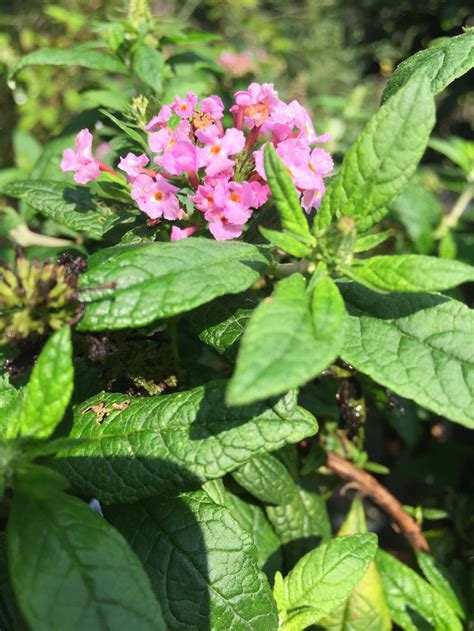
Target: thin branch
x=452, y=218
x=379, y=494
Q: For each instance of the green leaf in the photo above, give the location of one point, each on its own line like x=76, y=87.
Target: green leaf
x=439, y=578
x=285, y=344
x=220, y=323
x=365, y=609
x=72, y=206
x=441, y=64
x=458, y=150
x=382, y=160
x=301, y=524
x=71, y=570
x=418, y=345
x=93, y=59
x=11, y=399
x=370, y=241
x=9, y=616
x=267, y=479
x=420, y=212
x=164, y=279
x=148, y=65
x=253, y=520
x=405, y=590
x=50, y=387
x=201, y=562
x=286, y=241
x=173, y=443
x=285, y=195
x=322, y=580
x=410, y=272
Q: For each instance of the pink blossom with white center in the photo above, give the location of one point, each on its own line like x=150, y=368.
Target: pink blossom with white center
x=133, y=165
x=160, y=119
x=164, y=139
x=184, y=108
x=182, y=233
x=213, y=106
x=181, y=158
x=80, y=160
x=214, y=156
x=156, y=197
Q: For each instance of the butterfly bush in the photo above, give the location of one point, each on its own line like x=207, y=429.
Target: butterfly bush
x=191, y=149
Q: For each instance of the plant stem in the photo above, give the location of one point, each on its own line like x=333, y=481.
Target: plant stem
x=379, y=494
x=451, y=219
x=282, y=270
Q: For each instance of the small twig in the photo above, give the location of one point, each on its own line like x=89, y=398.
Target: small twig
x=379, y=494
x=451, y=219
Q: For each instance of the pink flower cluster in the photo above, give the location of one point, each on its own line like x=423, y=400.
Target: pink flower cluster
x=222, y=167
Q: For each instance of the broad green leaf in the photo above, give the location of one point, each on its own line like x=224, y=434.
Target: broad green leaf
x=267, y=479
x=284, y=194
x=49, y=389
x=405, y=590
x=365, y=609
x=148, y=65
x=253, y=520
x=421, y=346
x=72, y=570
x=72, y=206
x=167, y=444
x=441, y=64
x=322, y=580
x=439, y=578
x=410, y=272
x=201, y=562
x=285, y=241
x=419, y=211
x=93, y=59
x=9, y=615
x=163, y=279
x=382, y=160
x=220, y=323
x=301, y=524
x=370, y=241
x=285, y=344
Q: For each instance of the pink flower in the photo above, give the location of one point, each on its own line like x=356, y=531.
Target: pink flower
x=222, y=230
x=253, y=106
x=306, y=168
x=214, y=156
x=164, y=139
x=184, y=108
x=160, y=119
x=285, y=118
x=156, y=197
x=260, y=193
x=204, y=197
x=213, y=106
x=133, y=165
x=181, y=158
x=237, y=64
x=182, y=233
x=321, y=162
x=80, y=160
x=234, y=200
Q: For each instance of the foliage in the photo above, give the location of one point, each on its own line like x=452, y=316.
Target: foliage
x=171, y=404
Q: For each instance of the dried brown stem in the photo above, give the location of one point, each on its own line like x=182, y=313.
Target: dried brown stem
x=379, y=494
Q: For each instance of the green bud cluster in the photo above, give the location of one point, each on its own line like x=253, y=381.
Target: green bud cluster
x=36, y=297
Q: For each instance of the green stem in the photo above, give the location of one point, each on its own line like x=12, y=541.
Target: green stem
x=283, y=270
x=451, y=219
